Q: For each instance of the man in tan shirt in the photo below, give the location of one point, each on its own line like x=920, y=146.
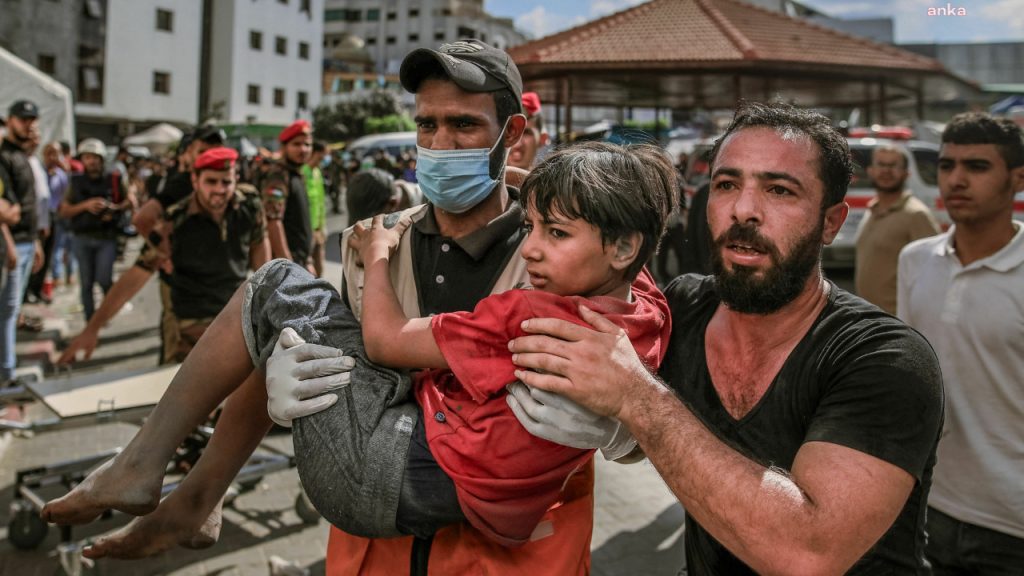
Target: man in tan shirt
x=895, y=218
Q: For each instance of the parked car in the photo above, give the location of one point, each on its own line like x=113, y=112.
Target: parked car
x=394, y=143
x=922, y=180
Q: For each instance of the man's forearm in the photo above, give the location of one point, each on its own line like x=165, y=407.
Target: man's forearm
x=147, y=216
x=127, y=286
x=761, y=515
x=278, y=241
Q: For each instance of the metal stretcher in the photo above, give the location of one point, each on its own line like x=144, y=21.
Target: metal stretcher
x=92, y=399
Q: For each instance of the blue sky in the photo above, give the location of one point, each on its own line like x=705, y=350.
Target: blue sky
x=986, y=20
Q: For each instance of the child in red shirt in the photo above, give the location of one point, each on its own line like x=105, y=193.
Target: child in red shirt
x=594, y=215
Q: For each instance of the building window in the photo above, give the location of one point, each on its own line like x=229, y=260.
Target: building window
x=353, y=15
x=47, y=64
x=306, y=6
x=161, y=83
x=304, y=50
x=335, y=15
x=302, y=100
x=285, y=2
x=164, y=20
x=390, y=40
x=439, y=35
x=414, y=12
x=464, y=32
x=256, y=40
x=90, y=75
x=281, y=45
x=373, y=15
x=254, y=94
x=392, y=16
x=414, y=37
x=279, y=97
x=93, y=9
x=371, y=41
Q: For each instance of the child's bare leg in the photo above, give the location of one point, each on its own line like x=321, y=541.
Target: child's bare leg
x=131, y=481
x=191, y=515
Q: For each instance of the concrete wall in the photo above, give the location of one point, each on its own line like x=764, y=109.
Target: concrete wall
x=29, y=28
x=992, y=63
x=235, y=65
x=135, y=49
x=429, y=28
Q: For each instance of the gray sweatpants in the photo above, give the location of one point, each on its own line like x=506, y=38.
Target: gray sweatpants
x=352, y=456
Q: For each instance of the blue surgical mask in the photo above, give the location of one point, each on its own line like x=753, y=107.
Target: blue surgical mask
x=457, y=180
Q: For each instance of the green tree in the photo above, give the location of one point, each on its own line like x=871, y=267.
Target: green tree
x=374, y=112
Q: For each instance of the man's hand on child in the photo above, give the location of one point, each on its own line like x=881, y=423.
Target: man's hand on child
x=562, y=421
x=300, y=377
x=377, y=242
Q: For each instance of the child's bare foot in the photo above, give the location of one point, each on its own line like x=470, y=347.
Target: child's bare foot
x=114, y=485
x=170, y=525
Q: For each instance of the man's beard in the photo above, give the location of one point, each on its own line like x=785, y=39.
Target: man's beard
x=898, y=187
x=742, y=291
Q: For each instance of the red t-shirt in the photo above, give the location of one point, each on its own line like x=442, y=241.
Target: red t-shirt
x=505, y=477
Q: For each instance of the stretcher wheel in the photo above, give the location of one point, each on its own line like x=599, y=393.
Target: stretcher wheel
x=304, y=508
x=26, y=530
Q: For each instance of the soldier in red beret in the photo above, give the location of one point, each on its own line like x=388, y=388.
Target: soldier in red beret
x=284, y=196
x=524, y=153
x=207, y=242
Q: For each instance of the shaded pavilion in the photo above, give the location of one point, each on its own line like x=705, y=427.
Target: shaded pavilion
x=684, y=54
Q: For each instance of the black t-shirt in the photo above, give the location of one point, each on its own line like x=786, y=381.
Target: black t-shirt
x=177, y=187
x=107, y=224
x=859, y=378
x=211, y=260
x=298, y=229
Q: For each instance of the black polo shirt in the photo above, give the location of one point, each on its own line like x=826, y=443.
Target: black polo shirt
x=211, y=259
x=454, y=275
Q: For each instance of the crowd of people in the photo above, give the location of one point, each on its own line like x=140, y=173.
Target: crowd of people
x=804, y=429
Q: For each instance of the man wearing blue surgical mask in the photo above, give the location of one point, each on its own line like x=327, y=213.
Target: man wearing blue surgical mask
x=461, y=246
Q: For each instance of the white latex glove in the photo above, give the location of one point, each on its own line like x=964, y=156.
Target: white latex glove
x=562, y=421
x=299, y=375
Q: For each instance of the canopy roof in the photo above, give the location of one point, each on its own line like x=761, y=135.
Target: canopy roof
x=709, y=53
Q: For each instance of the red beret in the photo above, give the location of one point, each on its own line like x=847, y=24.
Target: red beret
x=531, y=102
x=219, y=158
x=296, y=128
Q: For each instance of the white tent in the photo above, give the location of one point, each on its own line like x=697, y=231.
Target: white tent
x=158, y=138
x=20, y=81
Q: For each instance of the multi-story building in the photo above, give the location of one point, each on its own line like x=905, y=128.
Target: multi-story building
x=145, y=69
x=47, y=35
x=390, y=29
x=133, y=63
x=265, y=60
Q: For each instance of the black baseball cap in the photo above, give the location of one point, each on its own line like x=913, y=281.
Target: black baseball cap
x=185, y=142
x=209, y=134
x=23, y=109
x=471, y=64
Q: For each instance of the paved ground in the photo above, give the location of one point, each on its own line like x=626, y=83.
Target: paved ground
x=638, y=524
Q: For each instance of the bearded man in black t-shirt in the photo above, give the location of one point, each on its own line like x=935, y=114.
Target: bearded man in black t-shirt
x=796, y=423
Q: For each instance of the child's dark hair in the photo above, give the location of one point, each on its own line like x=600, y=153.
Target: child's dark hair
x=618, y=189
